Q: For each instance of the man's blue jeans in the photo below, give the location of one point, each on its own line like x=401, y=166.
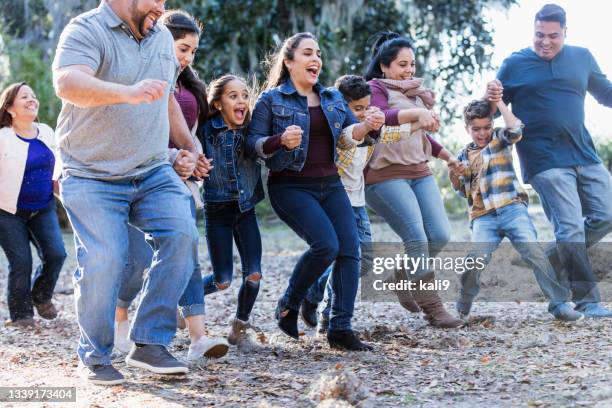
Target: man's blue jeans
x=317, y=291
x=319, y=211
x=140, y=256
x=577, y=201
x=157, y=203
x=512, y=221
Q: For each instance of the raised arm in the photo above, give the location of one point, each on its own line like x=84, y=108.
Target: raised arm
x=513, y=131
x=510, y=120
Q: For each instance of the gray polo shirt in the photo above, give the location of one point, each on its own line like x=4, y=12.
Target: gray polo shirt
x=115, y=141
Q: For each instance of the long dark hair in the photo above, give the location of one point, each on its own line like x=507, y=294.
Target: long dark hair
x=278, y=72
x=216, y=89
x=384, y=51
x=181, y=23
x=7, y=97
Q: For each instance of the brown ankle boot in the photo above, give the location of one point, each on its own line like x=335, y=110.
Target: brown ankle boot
x=432, y=306
x=404, y=296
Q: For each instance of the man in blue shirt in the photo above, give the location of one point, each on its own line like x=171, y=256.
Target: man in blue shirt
x=546, y=86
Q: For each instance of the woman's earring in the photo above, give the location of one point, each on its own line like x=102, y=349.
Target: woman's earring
x=383, y=74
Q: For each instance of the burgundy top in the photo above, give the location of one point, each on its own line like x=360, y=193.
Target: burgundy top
x=320, y=155
x=188, y=103
x=380, y=99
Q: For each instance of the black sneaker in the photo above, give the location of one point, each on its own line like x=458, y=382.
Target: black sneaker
x=308, y=311
x=100, y=374
x=155, y=358
x=346, y=340
x=287, y=320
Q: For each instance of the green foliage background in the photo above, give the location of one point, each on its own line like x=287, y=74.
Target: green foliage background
x=453, y=40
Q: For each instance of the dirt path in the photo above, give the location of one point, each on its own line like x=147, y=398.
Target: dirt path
x=521, y=357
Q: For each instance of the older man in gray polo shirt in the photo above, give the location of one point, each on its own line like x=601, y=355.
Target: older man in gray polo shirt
x=114, y=70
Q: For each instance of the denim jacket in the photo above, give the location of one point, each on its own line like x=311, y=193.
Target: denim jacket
x=235, y=176
x=282, y=106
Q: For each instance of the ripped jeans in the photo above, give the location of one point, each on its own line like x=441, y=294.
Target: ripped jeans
x=225, y=224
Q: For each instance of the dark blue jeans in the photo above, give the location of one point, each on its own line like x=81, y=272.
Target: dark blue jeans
x=225, y=224
x=16, y=232
x=316, y=293
x=319, y=211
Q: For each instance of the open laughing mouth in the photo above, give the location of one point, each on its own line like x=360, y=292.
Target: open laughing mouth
x=313, y=71
x=240, y=113
x=151, y=20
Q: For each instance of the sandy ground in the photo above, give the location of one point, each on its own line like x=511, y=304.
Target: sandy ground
x=519, y=356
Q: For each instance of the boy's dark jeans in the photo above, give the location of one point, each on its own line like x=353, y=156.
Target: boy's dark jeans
x=16, y=232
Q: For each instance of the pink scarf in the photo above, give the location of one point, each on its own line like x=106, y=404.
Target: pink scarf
x=411, y=88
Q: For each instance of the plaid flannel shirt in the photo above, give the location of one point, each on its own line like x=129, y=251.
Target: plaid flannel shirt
x=346, y=149
x=497, y=180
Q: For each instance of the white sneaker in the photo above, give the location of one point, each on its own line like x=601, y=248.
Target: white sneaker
x=207, y=347
x=122, y=340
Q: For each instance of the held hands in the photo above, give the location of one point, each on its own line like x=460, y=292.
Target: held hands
x=146, y=91
x=203, y=167
x=495, y=91
x=455, y=167
x=429, y=120
x=292, y=137
x=374, y=118
x=185, y=164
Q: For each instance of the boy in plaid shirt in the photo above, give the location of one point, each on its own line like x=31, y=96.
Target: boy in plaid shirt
x=498, y=205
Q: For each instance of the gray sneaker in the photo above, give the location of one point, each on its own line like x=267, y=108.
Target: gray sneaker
x=100, y=374
x=155, y=358
x=566, y=313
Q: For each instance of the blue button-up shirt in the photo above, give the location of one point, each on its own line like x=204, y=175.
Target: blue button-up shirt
x=548, y=97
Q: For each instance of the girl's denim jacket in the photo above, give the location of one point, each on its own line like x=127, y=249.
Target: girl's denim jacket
x=235, y=176
x=280, y=107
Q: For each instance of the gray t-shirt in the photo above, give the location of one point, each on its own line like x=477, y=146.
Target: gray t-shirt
x=115, y=141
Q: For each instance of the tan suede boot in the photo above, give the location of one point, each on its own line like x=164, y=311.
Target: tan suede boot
x=237, y=332
x=432, y=306
x=404, y=296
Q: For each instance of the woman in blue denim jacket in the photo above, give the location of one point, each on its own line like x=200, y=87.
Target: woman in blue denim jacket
x=295, y=128
x=231, y=192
